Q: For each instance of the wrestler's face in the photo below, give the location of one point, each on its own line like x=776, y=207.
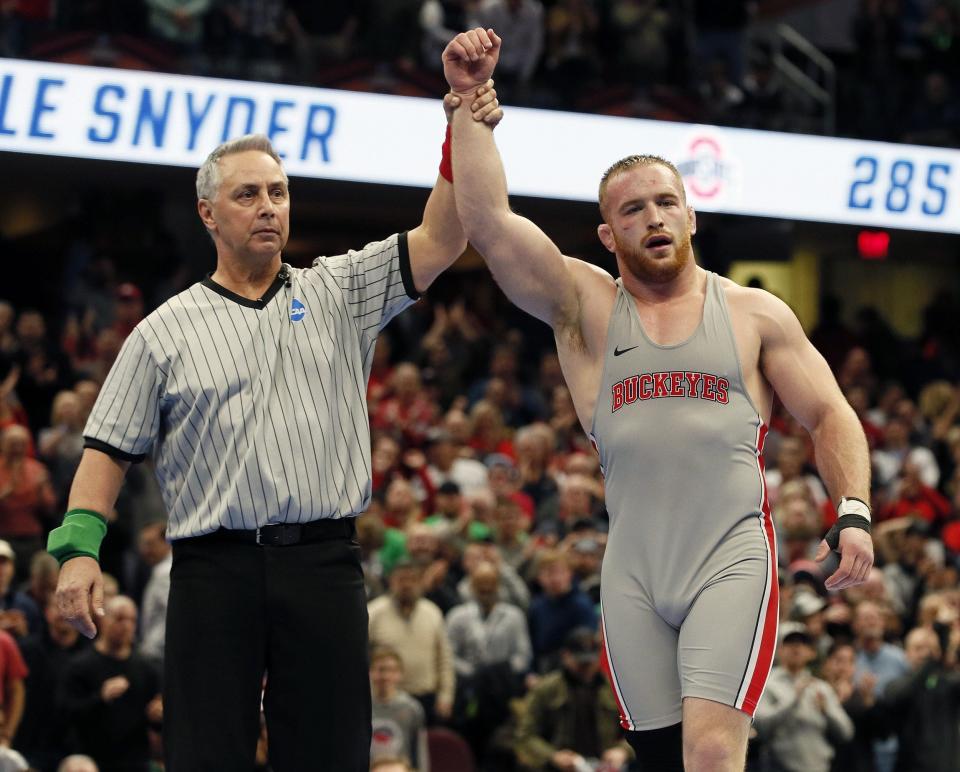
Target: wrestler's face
x=648, y=224
x=250, y=215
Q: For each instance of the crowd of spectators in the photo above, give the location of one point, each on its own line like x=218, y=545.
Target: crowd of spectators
x=482, y=550
x=709, y=61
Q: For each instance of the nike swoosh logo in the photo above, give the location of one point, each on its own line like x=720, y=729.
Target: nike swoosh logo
x=618, y=351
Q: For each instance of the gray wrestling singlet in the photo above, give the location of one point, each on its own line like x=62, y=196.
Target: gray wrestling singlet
x=689, y=581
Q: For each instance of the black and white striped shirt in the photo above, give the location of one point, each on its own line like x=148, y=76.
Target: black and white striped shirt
x=255, y=410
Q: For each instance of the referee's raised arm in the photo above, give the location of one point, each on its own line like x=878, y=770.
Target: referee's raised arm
x=80, y=585
x=439, y=240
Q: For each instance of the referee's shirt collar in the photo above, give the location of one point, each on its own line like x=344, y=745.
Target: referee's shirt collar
x=272, y=290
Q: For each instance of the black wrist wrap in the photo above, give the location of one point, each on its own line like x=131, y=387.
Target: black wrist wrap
x=845, y=521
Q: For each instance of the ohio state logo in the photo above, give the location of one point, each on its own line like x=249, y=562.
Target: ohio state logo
x=671, y=383
x=705, y=171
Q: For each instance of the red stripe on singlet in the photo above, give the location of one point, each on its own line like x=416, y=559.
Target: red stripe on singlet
x=768, y=636
x=625, y=721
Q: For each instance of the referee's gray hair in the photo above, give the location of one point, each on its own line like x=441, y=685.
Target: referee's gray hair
x=208, y=176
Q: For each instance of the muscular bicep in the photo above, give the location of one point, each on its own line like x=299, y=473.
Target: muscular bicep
x=530, y=269
x=795, y=369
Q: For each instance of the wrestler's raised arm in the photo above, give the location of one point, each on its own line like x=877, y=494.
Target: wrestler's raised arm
x=524, y=261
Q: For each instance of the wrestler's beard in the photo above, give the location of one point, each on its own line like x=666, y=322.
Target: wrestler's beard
x=651, y=269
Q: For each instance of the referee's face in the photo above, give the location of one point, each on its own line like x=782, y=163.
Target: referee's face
x=250, y=216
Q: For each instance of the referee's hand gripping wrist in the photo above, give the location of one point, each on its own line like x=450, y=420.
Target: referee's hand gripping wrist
x=484, y=105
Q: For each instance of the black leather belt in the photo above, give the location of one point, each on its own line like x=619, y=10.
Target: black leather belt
x=288, y=534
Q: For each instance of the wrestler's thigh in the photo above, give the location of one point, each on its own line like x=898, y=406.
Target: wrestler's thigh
x=641, y=661
x=727, y=640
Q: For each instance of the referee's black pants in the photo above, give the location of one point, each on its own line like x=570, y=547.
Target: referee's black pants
x=298, y=615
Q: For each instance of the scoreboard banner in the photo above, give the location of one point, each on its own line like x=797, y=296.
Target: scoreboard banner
x=155, y=118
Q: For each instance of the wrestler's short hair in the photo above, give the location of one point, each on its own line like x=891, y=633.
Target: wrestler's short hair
x=637, y=160
x=208, y=176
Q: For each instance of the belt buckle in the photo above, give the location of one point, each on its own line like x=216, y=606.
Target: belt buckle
x=278, y=535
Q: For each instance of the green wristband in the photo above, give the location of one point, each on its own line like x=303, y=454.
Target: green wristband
x=80, y=535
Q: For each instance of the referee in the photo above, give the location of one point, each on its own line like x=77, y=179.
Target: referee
x=248, y=391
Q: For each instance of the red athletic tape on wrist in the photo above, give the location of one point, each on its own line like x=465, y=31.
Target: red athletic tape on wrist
x=446, y=163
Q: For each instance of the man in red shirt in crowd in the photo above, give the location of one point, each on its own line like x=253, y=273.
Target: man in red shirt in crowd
x=916, y=500
x=26, y=496
x=12, y=672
